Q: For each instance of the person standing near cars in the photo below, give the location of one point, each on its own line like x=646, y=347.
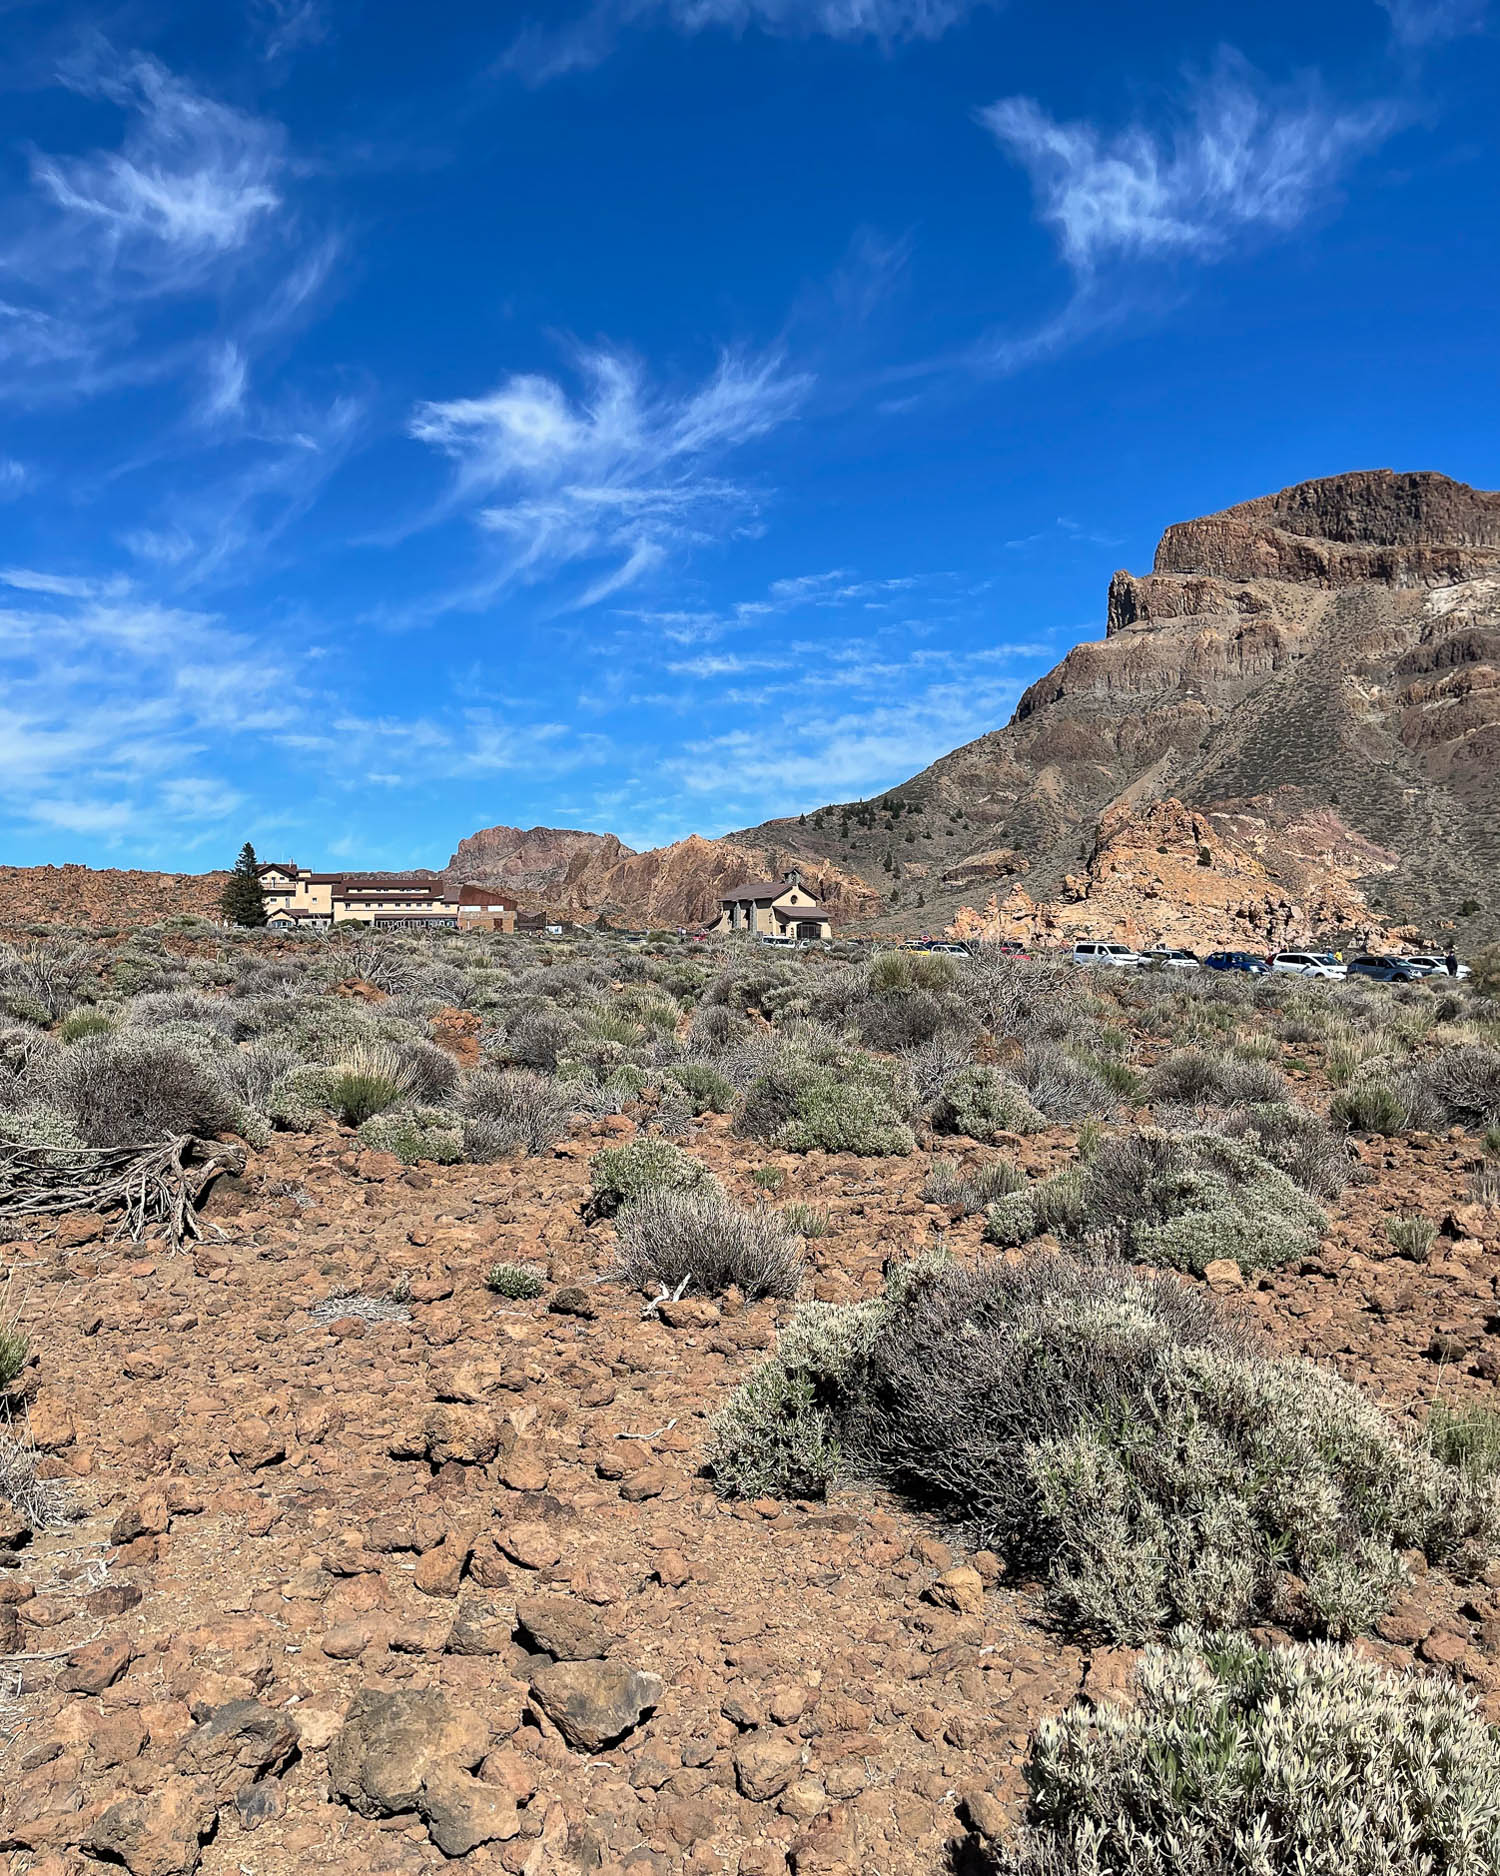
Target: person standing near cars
x=1450, y=962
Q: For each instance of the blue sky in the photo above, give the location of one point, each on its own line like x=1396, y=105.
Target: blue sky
x=656, y=415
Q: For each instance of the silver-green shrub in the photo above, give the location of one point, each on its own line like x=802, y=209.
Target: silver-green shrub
x=506, y=1109
x=415, y=1133
x=622, y=1175
x=982, y=1102
x=1236, y=1760
x=1185, y=1200
x=1117, y=1435
x=701, y=1239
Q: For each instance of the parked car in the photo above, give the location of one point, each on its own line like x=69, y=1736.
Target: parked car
x=1384, y=970
x=1249, y=961
x=1429, y=965
x=1104, y=951
x=1009, y=948
x=1306, y=964
x=949, y=948
x=1167, y=958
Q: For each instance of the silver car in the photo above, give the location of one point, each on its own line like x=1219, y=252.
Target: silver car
x=1306, y=964
x=1104, y=951
x=1430, y=966
x=1166, y=958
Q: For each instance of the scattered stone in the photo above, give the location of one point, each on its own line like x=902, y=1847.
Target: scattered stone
x=961, y=1589
x=764, y=1765
x=573, y=1300
x=562, y=1629
x=160, y=1833
x=94, y=1667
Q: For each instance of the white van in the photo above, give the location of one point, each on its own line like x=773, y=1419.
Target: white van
x=1103, y=951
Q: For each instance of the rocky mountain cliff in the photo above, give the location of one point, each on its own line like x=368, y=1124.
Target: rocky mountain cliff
x=1317, y=672
x=588, y=875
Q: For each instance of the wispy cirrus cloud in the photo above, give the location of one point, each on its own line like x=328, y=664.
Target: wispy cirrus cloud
x=1430, y=22
x=1245, y=159
x=615, y=479
x=193, y=183
x=542, y=52
x=113, y=703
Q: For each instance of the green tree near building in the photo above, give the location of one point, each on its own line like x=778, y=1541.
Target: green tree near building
x=243, y=902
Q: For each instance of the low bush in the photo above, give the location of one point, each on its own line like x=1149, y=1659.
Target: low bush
x=1465, y=1082
x=1185, y=1200
x=300, y=1096
x=42, y=1129
x=1370, y=1105
x=1411, y=1235
x=370, y=1078
x=624, y=1175
x=415, y=1133
x=806, y=1221
x=15, y=1346
x=128, y=1087
x=517, y=1281
x=503, y=1110
x=947, y=1183
x=1237, y=1760
x=1058, y=1204
x=982, y=1102
x=847, y=1104
x=80, y=1023
x=702, y=1239
x=1466, y=1437
x=706, y=1089
x=1061, y=1086
x=1212, y=1075
x=1114, y=1433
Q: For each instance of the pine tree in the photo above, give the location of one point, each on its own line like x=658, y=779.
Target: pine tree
x=243, y=902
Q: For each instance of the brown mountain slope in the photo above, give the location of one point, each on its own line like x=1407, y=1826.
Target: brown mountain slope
x=87, y=896
x=585, y=875
x=1329, y=652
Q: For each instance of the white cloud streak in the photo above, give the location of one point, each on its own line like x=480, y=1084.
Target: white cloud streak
x=193, y=182
x=1429, y=22
x=621, y=475
x=1244, y=160
x=541, y=53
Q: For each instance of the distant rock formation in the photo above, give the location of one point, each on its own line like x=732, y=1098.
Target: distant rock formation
x=1315, y=672
x=585, y=875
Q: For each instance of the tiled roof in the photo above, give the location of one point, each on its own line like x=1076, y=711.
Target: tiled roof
x=756, y=889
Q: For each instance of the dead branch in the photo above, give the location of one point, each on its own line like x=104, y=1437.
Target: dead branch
x=157, y=1186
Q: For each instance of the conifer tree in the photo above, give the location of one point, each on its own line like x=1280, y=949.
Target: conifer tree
x=243, y=902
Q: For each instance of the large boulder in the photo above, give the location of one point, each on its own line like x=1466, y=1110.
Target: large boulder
x=160, y=1833
x=391, y=1744
x=594, y=1703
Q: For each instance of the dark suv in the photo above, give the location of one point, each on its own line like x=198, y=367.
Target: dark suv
x=1235, y=961
x=1384, y=970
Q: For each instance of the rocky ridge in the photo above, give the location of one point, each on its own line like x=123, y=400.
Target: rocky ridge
x=1332, y=651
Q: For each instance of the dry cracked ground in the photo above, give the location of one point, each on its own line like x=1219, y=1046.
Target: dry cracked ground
x=377, y=1570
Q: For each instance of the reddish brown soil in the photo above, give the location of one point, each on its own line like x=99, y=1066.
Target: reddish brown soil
x=198, y=1393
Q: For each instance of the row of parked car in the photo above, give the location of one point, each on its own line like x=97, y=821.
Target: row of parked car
x=1386, y=970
